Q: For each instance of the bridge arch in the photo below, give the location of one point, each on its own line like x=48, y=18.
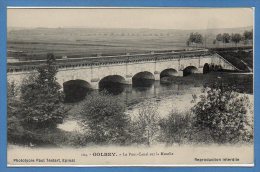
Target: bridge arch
x=144, y=75
x=189, y=70
x=144, y=79
x=168, y=72
x=76, y=90
x=113, y=84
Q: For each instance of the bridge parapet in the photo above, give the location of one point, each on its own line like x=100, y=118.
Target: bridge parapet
x=109, y=60
x=127, y=67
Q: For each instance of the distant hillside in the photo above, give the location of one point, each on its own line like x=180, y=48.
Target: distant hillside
x=35, y=43
x=226, y=30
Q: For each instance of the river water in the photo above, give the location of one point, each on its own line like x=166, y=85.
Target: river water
x=164, y=97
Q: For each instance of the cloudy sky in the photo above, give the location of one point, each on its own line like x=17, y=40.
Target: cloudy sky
x=154, y=18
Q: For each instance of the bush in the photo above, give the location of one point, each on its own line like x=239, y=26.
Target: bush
x=14, y=126
x=223, y=113
x=104, y=119
x=176, y=128
x=145, y=127
x=76, y=139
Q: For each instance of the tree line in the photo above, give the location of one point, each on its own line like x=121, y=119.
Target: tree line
x=196, y=38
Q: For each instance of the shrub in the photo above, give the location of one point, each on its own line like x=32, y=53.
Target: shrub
x=176, y=128
x=14, y=126
x=223, y=113
x=76, y=139
x=104, y=119
x=145, y=126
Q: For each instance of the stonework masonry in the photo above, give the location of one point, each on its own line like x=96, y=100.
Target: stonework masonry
x=94, y=73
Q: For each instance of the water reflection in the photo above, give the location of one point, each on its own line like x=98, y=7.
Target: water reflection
x=142, y=84
x=115, y=88
x=142, y=89
x=76, y=90
x=111, y=87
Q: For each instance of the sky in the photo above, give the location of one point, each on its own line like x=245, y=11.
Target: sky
x=152, y=18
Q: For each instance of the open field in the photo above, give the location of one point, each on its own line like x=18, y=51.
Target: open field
x=80, y=42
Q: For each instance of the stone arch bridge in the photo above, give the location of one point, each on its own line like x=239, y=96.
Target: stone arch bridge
x=91, y=72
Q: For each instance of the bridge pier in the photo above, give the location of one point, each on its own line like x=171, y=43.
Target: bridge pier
x=157, y=76
x=180, y=73
x=128, y=79
x=200, y=70
x=94, y=83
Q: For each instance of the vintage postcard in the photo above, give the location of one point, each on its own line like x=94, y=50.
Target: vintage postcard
x=130, y=86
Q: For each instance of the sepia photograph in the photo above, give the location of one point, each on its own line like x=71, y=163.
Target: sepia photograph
x=92, y=86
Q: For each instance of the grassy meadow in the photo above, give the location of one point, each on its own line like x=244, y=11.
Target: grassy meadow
x=35, y=43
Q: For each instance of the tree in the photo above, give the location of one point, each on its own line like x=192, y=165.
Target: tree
x=248, y=36
x=41, y=98
x=226, y=38
x=236, y=38
x=214, y=41
x=219, y=37
x=187, y=43
x=104, y=118
x=224, y=113
x=195, y=38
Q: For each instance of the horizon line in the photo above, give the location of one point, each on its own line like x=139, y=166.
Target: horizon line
x=84, y=27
